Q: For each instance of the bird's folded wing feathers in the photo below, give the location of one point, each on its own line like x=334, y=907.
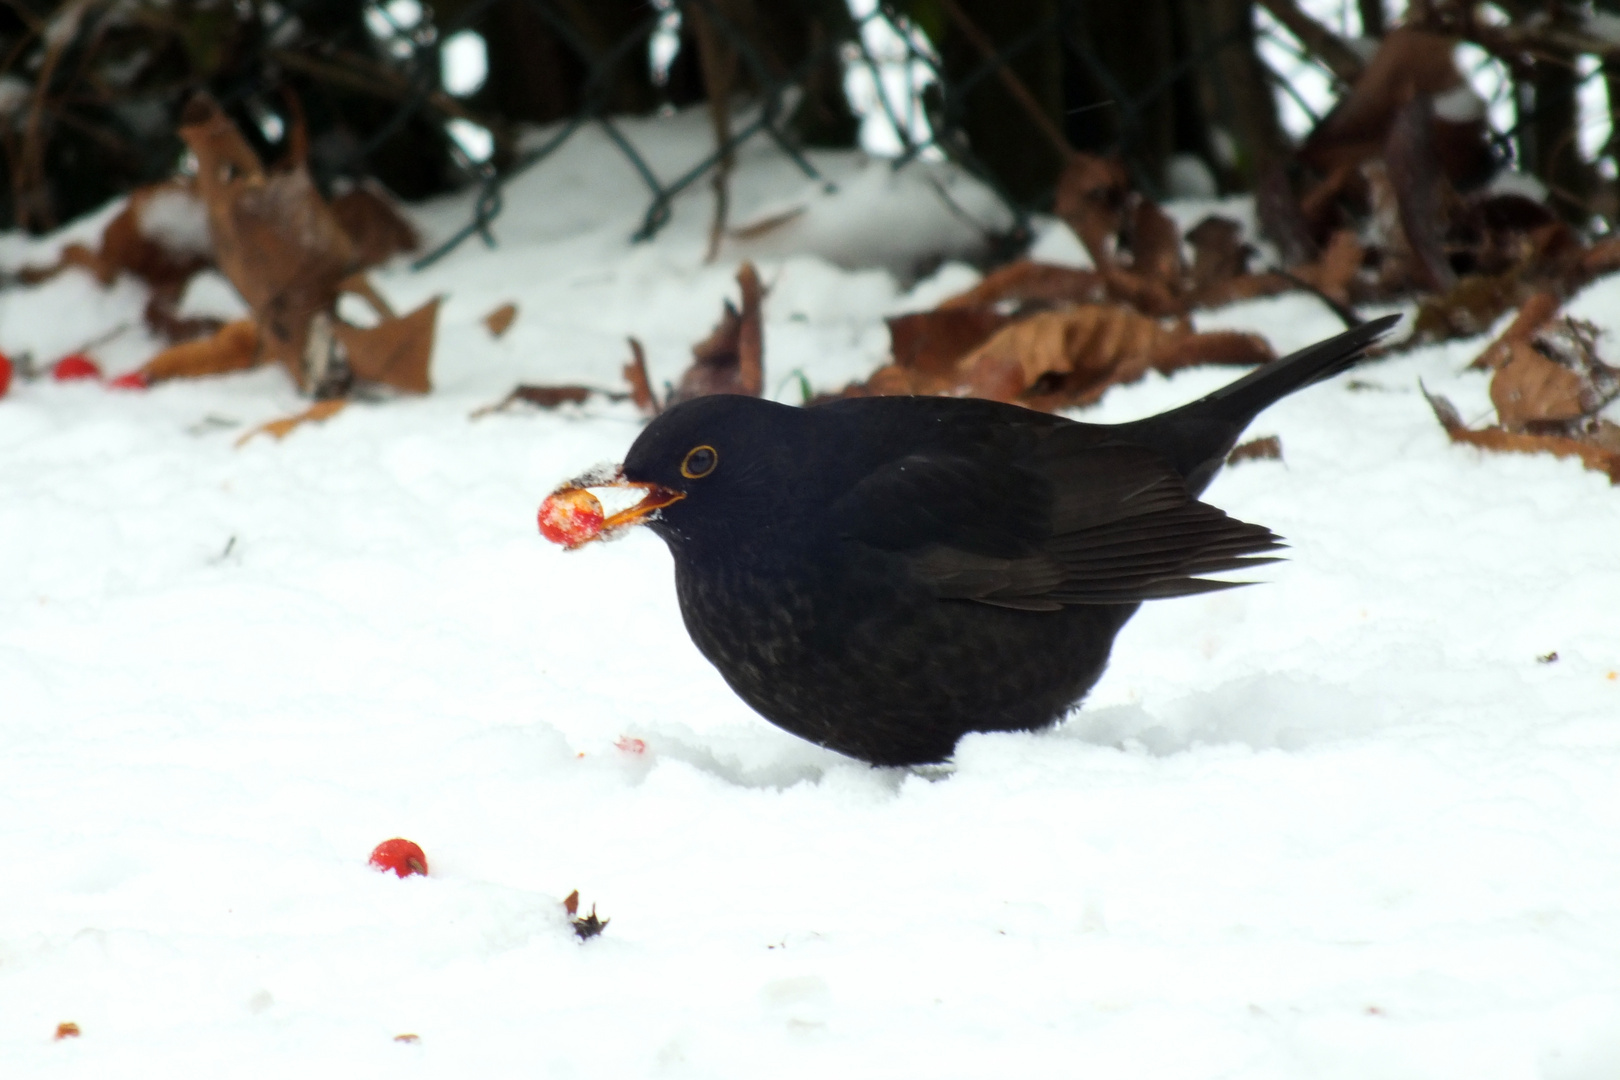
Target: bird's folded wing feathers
x=1092, y=524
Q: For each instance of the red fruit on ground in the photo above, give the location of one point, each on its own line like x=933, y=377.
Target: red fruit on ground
x=401, y=856
x=631, y=745
x=130, y=380
x=76, y=366
x=570, y=517
x=5, y=374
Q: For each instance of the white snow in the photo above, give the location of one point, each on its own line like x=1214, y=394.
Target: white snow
x=176, y=220
x=1340, y=824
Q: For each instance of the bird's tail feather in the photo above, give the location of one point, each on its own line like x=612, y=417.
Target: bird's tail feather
x=1197, y=436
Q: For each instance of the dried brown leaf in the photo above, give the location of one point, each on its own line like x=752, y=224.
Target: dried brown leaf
x=396, y=352
x=280, y=429
x=635, y=373
x=1336, y=270
x=373, y=224
x=1530, y=387
x=731, y=359
x=1408, y=62
x=274, y=237
x=1027, y=282
x=1219, y=253
x=67, y=1029
x=500, y=320
x=1091, y=196
x=1413, y=167
x=234, y=348
x=1282, y=221
x=931, y=342
x=1533, y=314
x=571, y=903
x=1469, y=308
x=1594, y=456
x=1267, y=448
x=1073, y=356
x=1155, y=244
x=546, y=397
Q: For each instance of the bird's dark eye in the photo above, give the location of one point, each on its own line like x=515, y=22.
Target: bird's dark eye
x=700, y=462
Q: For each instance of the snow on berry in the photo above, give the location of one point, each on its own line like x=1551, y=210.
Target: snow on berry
x=399, y=855
x=570, y=516
x=75, y=366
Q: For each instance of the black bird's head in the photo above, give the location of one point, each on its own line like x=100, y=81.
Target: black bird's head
x=714, y=469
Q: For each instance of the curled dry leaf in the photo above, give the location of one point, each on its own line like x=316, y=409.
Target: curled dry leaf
x=280, y=429
x=1594, y=455
x=1413, y=167
x=931, y=342
x=234, y=347
x=1073, y=356
x=1533, y=314
x=1027, y=282
x=378, y=231
x=731, y=359
x=1267, y=448
x=635, y=373
x=67, y=1029
x=1530, y=388
x=546, y=397
x=500, y=320
x=1155, y=244
x=1408, y=62
x=287, y=253
x=1091, y=196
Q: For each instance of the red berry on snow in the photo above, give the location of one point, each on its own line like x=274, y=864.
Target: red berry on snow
x=401, y=856
x=130, y=380
x=570, y=517
x=631, y=745
x=5, y=374
x=76, y=366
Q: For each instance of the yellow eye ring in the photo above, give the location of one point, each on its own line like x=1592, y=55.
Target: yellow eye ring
x=700, y=462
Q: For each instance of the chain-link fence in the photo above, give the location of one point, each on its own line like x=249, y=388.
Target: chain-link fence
x=1195, y=96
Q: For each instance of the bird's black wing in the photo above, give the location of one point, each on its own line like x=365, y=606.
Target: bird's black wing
x=1071, y=518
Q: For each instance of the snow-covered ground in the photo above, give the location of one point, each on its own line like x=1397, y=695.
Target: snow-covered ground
x=1342, y=824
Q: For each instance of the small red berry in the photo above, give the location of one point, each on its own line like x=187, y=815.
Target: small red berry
x=130, y=380
x=5, y=374
x=570, y=517
x=76, y=366
x=401, y=856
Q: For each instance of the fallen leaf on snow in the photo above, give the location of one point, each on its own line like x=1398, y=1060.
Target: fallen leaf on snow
x=731, y=359
x=499, y=321
x=280, y=429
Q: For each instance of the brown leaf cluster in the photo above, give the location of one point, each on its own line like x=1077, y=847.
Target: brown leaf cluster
x=1548, y=386
x=1384, y=201
x=165, y=234
x=288, y=254
x=1052, y=358
x=731, y=360
x=1136, y=249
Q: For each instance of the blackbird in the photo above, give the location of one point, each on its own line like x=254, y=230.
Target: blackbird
x=882, y=575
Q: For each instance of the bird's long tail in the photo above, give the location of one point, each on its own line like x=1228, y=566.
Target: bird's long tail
x=1198, y=435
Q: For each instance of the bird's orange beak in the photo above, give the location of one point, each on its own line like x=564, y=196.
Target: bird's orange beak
x=572, y=516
